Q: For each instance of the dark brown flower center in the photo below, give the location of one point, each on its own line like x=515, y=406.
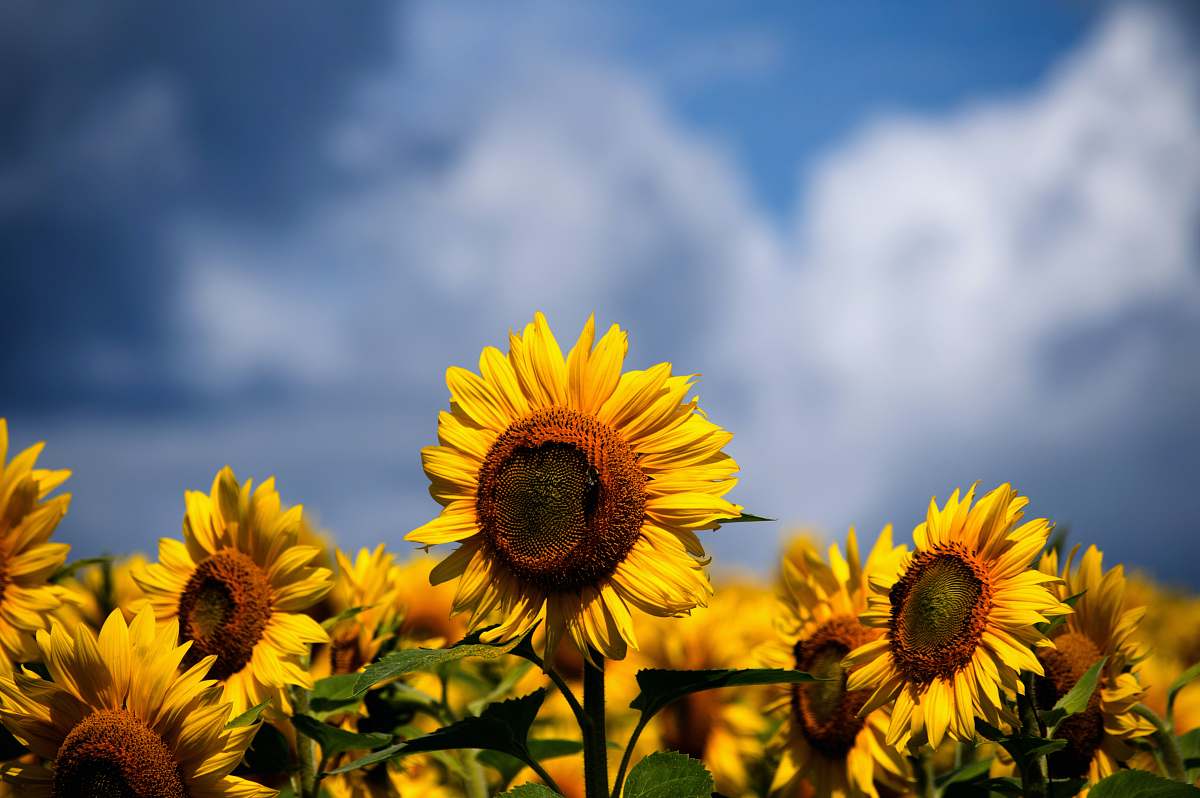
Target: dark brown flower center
x=1073, y=654
x=687, y=724
x=112, y=754
x=940, y=609
x=561, y=499
x=223, y=610
x=825, y=712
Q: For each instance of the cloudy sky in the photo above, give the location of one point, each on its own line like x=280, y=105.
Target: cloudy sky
x=907, y=250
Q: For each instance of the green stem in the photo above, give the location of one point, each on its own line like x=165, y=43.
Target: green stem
x=476, y=782
x=546, y=778
x=1165, y=740
x=922, y=766
x=625, y=757
x=562, y=686
x=595, y=737
x=1033, y=773
x=304, y=752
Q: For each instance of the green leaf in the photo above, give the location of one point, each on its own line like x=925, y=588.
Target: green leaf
x=509, y=766
x=1141, y=784
x=530, y=791
x=249, y=717
x=270, y=752
x=984, y=788
x=968, y=772
x=344, y=615
x=1058, y=620
x=1077, y=698
x=408, y=660
x=1184, y=679
x=1020, y=748
x=661, y=687
x=1189, y=751
x=334, y=693
x=71, y=568
x=334, y=740
x=744, y=518
x=502, y=727
x=668, y=774
x=1065, y=788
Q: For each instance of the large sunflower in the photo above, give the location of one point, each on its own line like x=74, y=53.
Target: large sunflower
x=117, y=717
x=960, y=614
x=236, y=584
x=825, y=742
x=1101, y=626
x=27, y=558
x=574, y=489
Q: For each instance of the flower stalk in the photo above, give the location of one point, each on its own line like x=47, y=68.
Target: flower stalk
x=595, y=736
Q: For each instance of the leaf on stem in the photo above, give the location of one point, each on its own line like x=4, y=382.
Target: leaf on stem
x=344, y=615
x=661, y=687
x=1077, y=698
x=530, y=790
x=409, y=660
x=668, y=774
x=249, y=717
x=334, y=740
x=502, y=727
x=1141, y=784
x=509, y=766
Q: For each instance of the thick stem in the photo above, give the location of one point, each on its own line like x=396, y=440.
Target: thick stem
x=595, y=737
x=1165, y=741
x=304, y=752
x=922, y=766
x=1033, y=773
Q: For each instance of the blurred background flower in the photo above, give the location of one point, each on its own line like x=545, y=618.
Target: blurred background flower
x=933, y=243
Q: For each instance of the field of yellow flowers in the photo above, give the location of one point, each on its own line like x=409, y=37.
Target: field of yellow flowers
x=561, y=636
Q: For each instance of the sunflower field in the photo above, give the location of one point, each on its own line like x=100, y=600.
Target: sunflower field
x=560, y=634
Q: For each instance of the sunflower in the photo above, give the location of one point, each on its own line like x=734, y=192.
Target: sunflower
x=825, y=743
x=367, y=584
x=960, y=613
x=27, y=558
x=574, y=490
x=117, y=717
x=1101, y=626
x=236, y=584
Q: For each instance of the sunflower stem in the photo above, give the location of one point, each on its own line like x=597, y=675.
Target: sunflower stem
x=1165, y=742
x=1033, y=771
x=922, y=766
x=595, y=737
x=304, y=752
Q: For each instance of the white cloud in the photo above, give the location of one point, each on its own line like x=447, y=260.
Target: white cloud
x=903, y=331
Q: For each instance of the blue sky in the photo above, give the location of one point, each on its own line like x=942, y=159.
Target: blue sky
x=906, y=251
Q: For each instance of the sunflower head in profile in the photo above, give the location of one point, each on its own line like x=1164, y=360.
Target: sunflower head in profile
x=28, y=516
x=825, y=744
x=960, y=614
x=118, y=718
x=573, y=490
x=1102, y=625
x=236, y=584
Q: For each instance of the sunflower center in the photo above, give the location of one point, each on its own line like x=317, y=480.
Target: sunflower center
x=939, y=612
x=1073, y=654
x=112, y=754
x=825, y=712
x=561, y=499
x=223, y=610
